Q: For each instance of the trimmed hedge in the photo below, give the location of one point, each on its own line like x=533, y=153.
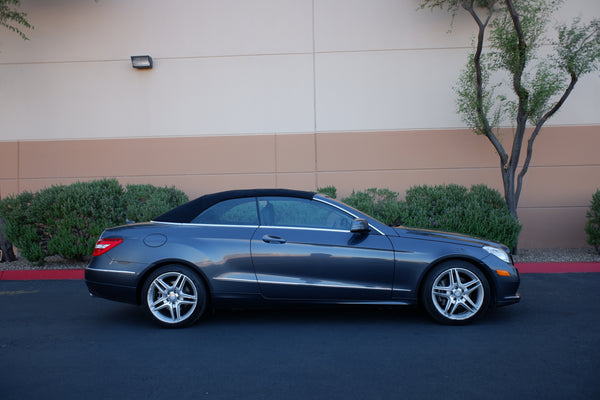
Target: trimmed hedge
x=329, y=191
x=67, y=220
x=592, y=226
x=145, y=202
x=479, y=211
x=381, y=204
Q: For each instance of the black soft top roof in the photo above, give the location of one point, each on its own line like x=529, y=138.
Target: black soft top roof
x=188, y=211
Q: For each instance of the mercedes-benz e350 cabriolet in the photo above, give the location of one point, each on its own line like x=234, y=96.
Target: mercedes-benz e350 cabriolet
x=277, y=246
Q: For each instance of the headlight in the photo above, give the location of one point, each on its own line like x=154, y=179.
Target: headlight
x=501, y=254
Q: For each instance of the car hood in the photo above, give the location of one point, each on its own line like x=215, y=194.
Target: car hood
x=426, y=234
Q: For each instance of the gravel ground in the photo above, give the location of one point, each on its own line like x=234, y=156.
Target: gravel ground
x=54, y=262
x=586, y=254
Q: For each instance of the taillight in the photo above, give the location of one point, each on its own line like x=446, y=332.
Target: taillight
x=104, y=245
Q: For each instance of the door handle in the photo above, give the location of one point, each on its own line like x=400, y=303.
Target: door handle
x=273, y=239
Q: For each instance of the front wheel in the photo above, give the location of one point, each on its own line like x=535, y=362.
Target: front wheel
x=456, y=293
x=174, y=296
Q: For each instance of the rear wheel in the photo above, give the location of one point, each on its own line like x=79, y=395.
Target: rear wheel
x=174, y=296
x=456, y=293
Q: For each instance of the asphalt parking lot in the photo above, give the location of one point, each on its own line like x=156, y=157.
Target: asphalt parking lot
x=57, y=342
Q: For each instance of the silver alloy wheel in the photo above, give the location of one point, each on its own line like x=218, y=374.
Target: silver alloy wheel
x=457, y=293
x=172, y=297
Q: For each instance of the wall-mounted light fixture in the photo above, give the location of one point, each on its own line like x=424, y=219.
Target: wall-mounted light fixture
x=141, y=62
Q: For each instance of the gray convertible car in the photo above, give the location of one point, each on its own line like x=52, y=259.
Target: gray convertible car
x=276, y=246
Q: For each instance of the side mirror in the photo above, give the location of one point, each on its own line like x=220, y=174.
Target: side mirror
x=359, y=225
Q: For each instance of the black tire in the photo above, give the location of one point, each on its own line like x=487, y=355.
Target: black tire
x=456, y=293
x=174, y=296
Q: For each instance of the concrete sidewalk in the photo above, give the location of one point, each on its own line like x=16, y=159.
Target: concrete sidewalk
x=524, y=268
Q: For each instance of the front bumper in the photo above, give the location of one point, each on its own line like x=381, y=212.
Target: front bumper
x=506, y=287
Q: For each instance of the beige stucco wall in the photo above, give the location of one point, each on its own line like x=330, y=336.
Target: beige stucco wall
x=272, y=93
x=241, y=67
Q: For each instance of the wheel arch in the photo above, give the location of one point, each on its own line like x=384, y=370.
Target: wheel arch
x=171, y=261
x=461, y=257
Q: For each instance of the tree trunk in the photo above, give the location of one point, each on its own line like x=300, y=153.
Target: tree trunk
x=510, y=196
x=5, y=246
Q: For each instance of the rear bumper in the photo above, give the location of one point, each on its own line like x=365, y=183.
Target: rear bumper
x=124, y=294
x=112, y=280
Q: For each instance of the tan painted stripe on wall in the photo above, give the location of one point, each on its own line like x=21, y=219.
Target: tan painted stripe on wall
x=403, y=150
x=565, y=170
x=9, y=160
x=147, y=157
x=196, y=165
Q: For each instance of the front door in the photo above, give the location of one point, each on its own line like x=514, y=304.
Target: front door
x=304, y=250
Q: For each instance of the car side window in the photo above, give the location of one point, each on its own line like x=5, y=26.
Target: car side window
x=305, y=213
x=230, y=212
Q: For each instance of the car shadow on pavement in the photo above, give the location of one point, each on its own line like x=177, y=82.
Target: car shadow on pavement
x=322, y=315
x=133, y=316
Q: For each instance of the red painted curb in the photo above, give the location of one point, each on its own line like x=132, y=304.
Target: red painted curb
x=557, y=268
x=41, y=274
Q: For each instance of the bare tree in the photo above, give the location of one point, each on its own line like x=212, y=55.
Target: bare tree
x=514, y=32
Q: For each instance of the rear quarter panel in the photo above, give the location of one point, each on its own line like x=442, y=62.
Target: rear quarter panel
x=220, y=254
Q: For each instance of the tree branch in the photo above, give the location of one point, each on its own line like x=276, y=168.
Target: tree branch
x=482, y=25
x=520, y=91
x=538, y=128
x=522, y=47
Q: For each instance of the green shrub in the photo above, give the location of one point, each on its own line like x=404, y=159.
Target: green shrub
x=480, y=211
x=145, y=202
x=19, y=228
x=381, y=204
x=76, y=215
x=592, y=227
x=67, y=220
x=329, y=191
